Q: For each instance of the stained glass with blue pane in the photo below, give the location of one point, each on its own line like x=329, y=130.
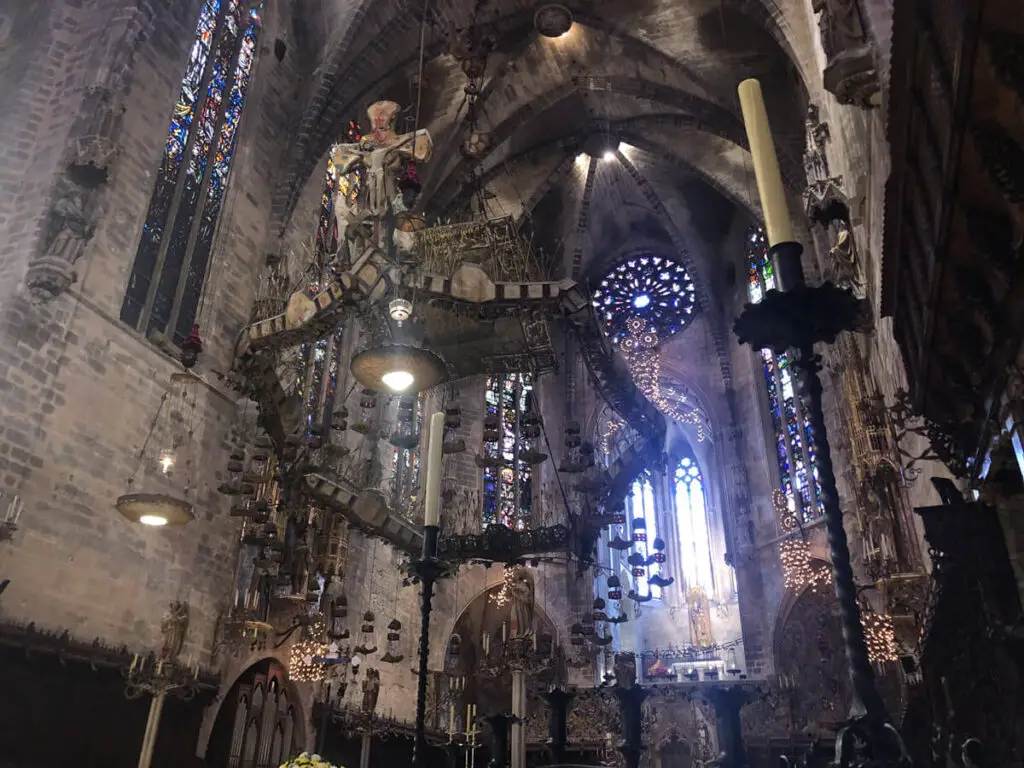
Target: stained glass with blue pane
x=171, y=261
x=794, y=446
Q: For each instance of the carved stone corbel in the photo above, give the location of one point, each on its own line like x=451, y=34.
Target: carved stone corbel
x=93, y=146
x=851, y=73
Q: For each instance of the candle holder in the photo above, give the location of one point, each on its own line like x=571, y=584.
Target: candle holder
x=9, y=524
x=792, y=320
x=157, y=677
x=428, y=569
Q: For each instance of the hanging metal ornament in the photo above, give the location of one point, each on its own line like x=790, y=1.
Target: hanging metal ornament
x=452, y=421
x=367, y=402
x=639, y=530
x=531, y=427
x=338, y=627
x=571, y=463
x=598, y=613
x=392, y=655
x=660, y=558
x=576, y=634
x=367, y=646
x=614, y=588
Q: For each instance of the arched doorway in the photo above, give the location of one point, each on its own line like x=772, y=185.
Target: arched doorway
x=259, y=724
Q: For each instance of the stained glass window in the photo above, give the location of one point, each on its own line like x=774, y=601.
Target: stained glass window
x=792, y=443
x=508, y=485
x=654, y=288
x=694, y=527
x=644, y=523
x=173, y=256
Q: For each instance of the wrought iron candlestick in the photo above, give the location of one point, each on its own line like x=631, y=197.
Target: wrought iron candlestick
x=500, y=726
x=158, y=678
x=558, y=700
x=793, y=319
x=429, y=569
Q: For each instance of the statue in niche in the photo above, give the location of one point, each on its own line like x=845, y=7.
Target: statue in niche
x=173, y=627
x=700, y=617
x=68, y=228
x=841, y=25
x=850, y=73
x=522, y=601
x=371, y=690
x=842, y=255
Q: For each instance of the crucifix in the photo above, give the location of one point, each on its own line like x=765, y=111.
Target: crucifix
x=378, y=154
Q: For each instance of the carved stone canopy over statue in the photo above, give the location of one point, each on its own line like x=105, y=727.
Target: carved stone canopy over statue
x=173, y=627
x=522, y=601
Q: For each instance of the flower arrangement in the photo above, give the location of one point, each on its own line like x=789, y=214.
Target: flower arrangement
x=306, y=760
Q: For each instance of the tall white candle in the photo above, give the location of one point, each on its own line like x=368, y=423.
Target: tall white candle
x=433, y=489
x=766, y=164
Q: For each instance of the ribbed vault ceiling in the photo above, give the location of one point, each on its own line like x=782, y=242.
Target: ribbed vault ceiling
x=658, y=75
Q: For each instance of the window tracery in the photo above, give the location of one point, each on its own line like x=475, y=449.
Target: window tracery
x=694, y=528
x=643, y=516
x=649, y=287
x=793, y=445
x=172, y=259
x=508, y=482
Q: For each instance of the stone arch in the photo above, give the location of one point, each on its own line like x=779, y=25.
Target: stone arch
x=300, y=733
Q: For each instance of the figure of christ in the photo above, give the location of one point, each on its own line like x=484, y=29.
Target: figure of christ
x=379, y=156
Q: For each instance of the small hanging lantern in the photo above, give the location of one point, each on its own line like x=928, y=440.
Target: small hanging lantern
x=639, y=530
x=339, y=618
x=368, y=399
x=598, y=612
x=366, y=647
x=614, y=588
x=191, y=347
x=659, y=551
x=392, y=655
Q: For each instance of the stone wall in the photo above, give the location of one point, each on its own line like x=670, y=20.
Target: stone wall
x=79, y=388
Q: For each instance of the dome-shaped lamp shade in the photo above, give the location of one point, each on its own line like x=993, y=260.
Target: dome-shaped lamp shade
x=398, y=368
x=155, y=509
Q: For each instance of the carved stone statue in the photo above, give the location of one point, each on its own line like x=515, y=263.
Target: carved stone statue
x=842, y=256
x=522, y=601
x=851, y=73
x=815, y=158
x=371, y=690
x=700, y=617
x=173, y=627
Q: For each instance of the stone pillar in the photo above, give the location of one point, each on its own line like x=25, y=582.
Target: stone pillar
x=519, y=719
x=499, y=725
x=364, y=752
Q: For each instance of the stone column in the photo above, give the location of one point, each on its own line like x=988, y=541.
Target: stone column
x=364, y=752
x=519, y=719
x=728, y=700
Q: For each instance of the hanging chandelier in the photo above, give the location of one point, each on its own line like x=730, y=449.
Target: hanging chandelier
x=160, y=489
x=398, y=368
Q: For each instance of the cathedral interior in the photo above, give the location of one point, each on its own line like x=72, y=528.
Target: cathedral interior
x=512, y=383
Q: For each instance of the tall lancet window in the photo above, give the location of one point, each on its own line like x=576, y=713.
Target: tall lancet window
x=644, y=527
x=173, y=257
x=793, y=447
x=694, y=528
x=508, y=484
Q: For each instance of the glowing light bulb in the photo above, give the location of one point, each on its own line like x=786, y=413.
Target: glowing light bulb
x=153, y=520
x=398, y=381
x=609, y=155
x=166, y=462
x=642, y=300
